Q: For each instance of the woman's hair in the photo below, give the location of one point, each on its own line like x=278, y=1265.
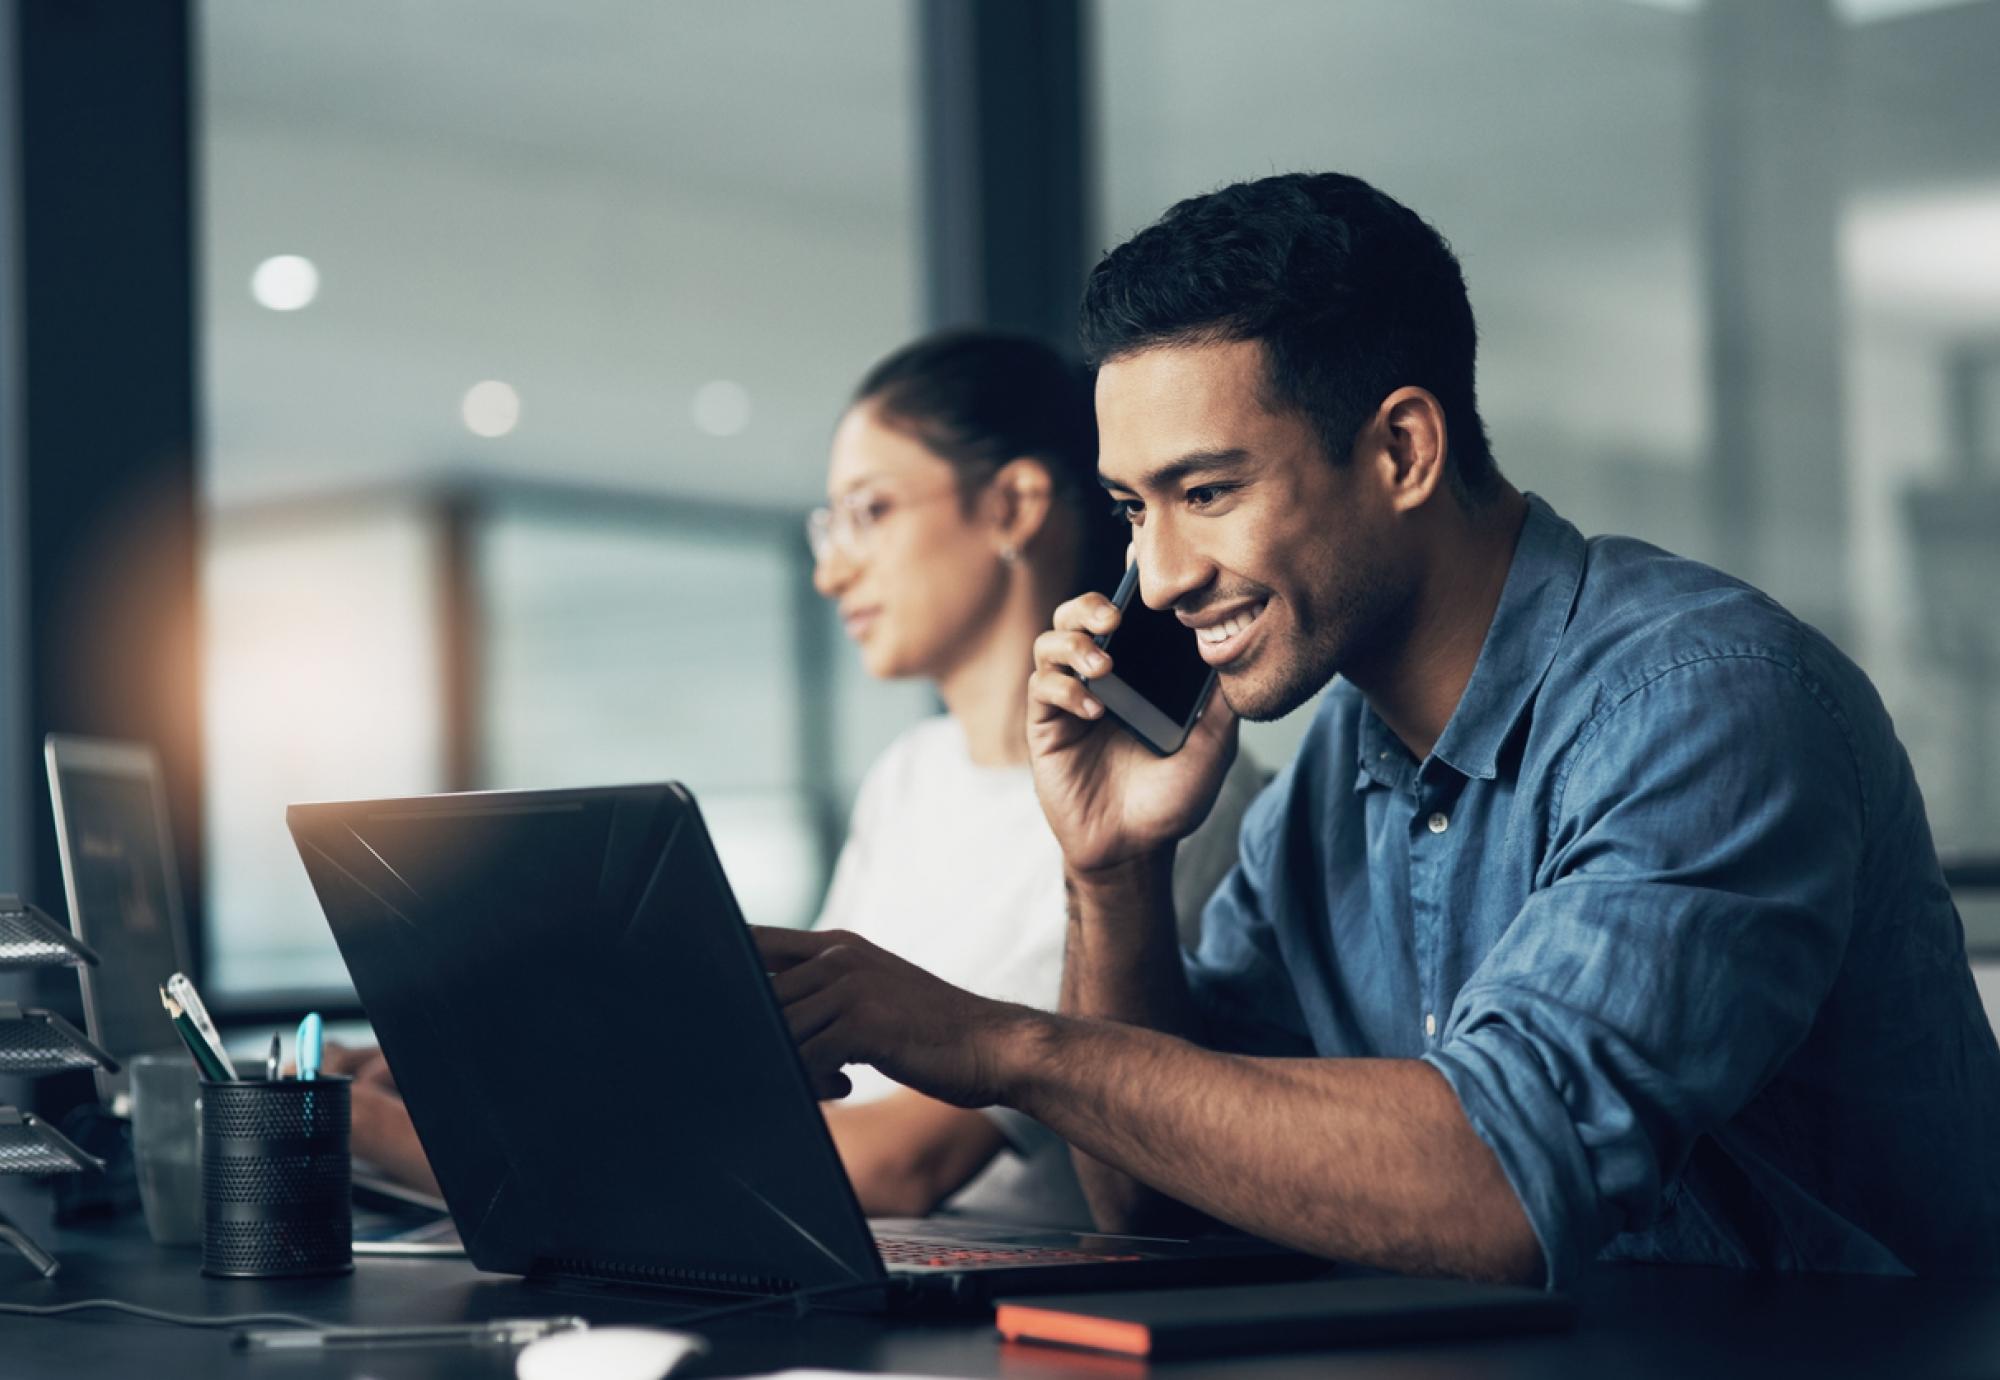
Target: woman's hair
x=978, y=399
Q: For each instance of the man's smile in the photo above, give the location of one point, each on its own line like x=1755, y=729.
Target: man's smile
x=1222, y=637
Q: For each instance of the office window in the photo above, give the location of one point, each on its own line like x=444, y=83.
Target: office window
x=1732, y=262
x=661, y=650
x=323, y=683
x=631, y=252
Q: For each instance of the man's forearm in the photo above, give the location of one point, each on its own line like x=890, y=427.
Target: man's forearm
x=1121, y=956
x=1371, y=1160
x=1122, y=962
x=1365, y=1160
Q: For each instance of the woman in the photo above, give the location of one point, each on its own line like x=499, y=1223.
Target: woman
x=963, y=506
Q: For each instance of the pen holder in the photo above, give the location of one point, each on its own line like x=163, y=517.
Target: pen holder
x=275, y=1177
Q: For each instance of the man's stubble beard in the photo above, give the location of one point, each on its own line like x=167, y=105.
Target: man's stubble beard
x=1360, y=623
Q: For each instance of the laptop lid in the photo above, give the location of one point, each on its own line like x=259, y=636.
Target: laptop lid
x=124, y=891
x=585, y=1038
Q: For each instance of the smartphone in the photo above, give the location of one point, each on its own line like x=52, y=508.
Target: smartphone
x=1158, y=684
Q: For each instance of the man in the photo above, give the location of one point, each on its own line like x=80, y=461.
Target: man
x=1598, y=912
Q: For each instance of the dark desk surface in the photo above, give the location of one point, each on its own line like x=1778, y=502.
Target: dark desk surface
x=1633, y=1321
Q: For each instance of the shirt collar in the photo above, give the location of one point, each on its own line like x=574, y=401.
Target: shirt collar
x=1528, y=627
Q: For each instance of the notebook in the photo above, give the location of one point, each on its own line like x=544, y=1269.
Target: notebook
x=1297, y=1315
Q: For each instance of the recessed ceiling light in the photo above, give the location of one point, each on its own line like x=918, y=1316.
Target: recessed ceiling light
x=490, y=408
x=722, y=408
x=285, y=282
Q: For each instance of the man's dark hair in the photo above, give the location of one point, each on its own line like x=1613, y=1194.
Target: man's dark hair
x=1350, y=292
x=978, y=399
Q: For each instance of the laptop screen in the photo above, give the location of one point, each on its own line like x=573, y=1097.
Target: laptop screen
x=585, y=1037
x=122, y=897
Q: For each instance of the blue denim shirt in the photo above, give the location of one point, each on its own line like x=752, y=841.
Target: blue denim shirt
x=1662, y=907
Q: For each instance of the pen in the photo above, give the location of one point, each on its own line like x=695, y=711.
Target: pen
x=271, y=1059
x=192, y=1007
x=204, y=1057
x=306, y=1050
x=504, y=1331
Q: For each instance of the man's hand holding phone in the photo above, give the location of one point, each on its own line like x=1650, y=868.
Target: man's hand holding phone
x=1109, y=798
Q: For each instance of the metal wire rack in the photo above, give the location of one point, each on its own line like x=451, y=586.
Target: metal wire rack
x=29, y=1145
x=33, y=1042
x=30, y=939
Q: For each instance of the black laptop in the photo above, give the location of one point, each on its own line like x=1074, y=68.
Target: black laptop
x=591, y=1054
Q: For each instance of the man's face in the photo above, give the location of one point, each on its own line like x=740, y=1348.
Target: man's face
x=1282, y=560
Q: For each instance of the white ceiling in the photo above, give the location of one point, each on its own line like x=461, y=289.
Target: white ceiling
x=792, y=103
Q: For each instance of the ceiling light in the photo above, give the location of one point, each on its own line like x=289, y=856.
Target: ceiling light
x=722, y=408
x=490, y=408
x=285, y=282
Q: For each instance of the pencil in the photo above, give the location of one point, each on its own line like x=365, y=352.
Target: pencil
x=204, y=1057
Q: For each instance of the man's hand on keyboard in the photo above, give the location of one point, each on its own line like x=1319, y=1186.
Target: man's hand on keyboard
x=849, y=1002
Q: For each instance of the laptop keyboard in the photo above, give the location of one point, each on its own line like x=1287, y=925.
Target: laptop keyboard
x=898, y=1250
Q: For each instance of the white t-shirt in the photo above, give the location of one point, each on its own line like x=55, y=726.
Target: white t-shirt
x=951, y=865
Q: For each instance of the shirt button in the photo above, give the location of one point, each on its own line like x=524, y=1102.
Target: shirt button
x=1430, y=1024
x=1439, y=823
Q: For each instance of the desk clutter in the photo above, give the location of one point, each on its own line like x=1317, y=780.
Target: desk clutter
x=34, y=1042
x=276, y=1174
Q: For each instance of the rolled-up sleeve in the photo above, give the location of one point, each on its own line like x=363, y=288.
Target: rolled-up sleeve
x=1688, y=922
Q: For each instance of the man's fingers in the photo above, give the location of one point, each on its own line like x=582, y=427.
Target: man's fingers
x=782, y=949
x=824, y=1056
x=829, y=1085
x=1087, y=613
x=800, y=981
x=813, y=1013
x=1070, y=652
x=808, y=1001
x=1052, y=691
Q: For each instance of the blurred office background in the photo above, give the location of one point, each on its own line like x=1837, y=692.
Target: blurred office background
x=512, y=333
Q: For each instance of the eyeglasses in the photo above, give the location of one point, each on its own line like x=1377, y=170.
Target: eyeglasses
x=848, y=526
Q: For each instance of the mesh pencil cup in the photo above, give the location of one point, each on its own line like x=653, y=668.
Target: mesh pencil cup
x=274, y=1178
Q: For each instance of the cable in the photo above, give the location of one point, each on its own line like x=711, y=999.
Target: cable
x=797, y=1299
x=56, y=1310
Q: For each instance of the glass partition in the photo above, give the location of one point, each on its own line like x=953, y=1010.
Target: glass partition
x=323, y=682
x=1733, y=264
x=625, y=250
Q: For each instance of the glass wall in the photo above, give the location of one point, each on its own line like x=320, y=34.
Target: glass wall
x=630, y=254
x=693, y=665
x=324, y=683
x=525, y=328
x=1733, y=262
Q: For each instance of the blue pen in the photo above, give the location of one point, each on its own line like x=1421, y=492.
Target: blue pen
x=306, y=1046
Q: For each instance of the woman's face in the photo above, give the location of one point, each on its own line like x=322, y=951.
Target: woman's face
x=917, y=578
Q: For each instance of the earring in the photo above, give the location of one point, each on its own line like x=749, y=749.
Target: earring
x=1010, y=554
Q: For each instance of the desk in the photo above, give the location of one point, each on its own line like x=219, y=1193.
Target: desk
x=1635, y=1321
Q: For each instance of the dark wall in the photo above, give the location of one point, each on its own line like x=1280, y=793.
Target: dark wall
x=1001, y=119
x=103, y=298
